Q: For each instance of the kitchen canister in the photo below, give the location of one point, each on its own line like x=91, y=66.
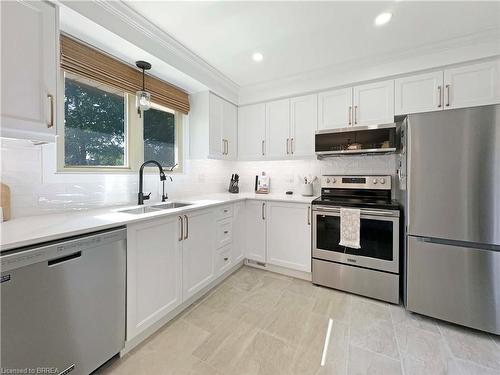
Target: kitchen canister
x=306, y=190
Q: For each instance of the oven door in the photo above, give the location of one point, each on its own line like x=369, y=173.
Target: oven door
x=379, y=239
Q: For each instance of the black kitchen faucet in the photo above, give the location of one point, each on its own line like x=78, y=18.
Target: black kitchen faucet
x=141, y=196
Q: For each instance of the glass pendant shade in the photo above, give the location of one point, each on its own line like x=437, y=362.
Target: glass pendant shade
x=143, y=100
x=142, y=97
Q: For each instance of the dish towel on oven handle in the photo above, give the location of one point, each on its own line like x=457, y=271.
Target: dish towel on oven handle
x=350, y=227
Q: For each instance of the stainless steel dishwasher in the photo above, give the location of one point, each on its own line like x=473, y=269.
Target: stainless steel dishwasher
x=63, y=304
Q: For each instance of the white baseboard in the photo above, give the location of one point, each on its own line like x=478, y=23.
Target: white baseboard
x=131, y=344
x=278, y=269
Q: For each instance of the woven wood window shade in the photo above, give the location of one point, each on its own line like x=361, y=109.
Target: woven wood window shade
x=80, y=59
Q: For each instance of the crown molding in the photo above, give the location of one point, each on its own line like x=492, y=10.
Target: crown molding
x=399, y=62
x=120, y=19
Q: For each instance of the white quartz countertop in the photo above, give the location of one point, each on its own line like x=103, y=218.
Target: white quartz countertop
x=32, y=230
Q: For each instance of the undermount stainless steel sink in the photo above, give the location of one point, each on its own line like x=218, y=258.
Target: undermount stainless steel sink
x=170, y=205
x=155, y=208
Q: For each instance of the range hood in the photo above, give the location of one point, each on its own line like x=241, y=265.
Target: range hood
x=357, y=140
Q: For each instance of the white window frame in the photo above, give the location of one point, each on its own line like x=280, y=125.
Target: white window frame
x=134, y=138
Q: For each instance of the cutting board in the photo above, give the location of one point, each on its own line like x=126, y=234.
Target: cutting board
x=5, y=201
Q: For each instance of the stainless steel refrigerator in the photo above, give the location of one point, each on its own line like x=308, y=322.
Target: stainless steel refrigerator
x=451, y=164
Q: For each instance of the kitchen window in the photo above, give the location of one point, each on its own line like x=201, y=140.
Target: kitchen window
x=159, y=134
x=102, y=131
x=94, y=125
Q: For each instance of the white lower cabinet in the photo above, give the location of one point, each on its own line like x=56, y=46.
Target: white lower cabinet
x=279, y=233
x=197, y=252
x=289, y=235
x=223, y=260
x=239, y=230
x=153, y=272
x=255, y=236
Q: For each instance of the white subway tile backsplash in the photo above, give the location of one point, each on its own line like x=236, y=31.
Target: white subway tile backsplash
x=37, y=188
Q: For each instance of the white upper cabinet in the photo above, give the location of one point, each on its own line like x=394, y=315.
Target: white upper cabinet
x=230, y=130
x=153, y=272
x=303, y=125
x=252, y=132
x=198, y=246
x=334, y=109
x=369, y=104
x=278, y=129
x=472, y=85
x=212, y=127
x=215, y=115
x=284, y=249
x=255, y=245
x=419, y=93
x=373, y=103
x=29, y=66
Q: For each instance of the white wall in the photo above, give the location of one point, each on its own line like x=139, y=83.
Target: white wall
x=37, y=189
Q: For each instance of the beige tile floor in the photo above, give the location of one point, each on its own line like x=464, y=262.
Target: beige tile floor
x=258, y=322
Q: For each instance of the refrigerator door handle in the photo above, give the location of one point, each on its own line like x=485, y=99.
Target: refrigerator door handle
x=455, y=243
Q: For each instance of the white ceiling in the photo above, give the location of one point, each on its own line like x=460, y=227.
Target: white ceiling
x=300, y=37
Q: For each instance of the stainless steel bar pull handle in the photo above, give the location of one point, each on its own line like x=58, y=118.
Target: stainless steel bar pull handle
x=355, y=114
x=51, y=121
x=186, y=235
x=309, y=215
x=181, y=229
x=440, y=98
x=447, y=95
x=350, y=115
x=263, y=148
x=263, y=211
x=291, y=145
x=287, y=146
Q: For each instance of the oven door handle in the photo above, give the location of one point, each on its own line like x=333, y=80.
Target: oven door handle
x=363, y=211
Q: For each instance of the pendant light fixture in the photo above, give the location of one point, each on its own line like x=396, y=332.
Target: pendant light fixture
x=143, y=98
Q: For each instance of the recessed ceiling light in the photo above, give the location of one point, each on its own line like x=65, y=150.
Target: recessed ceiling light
x=383, y=18
x=257, y=56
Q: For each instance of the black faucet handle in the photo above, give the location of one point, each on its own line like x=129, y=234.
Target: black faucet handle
x=147, y=196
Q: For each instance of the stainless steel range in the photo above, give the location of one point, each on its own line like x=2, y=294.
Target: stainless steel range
x=373, y=269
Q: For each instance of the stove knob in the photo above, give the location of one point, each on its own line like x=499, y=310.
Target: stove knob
x=375, y=181
x=382, y=181
x=327, y=180
x=334, y=180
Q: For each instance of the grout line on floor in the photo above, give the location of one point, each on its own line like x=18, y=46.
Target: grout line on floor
x=401, y=362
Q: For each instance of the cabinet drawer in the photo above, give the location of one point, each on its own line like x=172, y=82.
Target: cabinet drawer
x=224, y=212
x=223, y=259
x=224, y=232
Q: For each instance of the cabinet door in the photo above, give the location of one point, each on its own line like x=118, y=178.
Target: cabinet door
x=239, y=230
x=198, y=248
x=284, y=249
x=303, y=125
x=251, y=132
x=278, y=128
x=334, y=109
x=420, y=93
x=229, y=130
x=215, y=114
x=29, y=69
x=373, y=103
x=256, y=230
x=472, y=85
x=153, y=272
